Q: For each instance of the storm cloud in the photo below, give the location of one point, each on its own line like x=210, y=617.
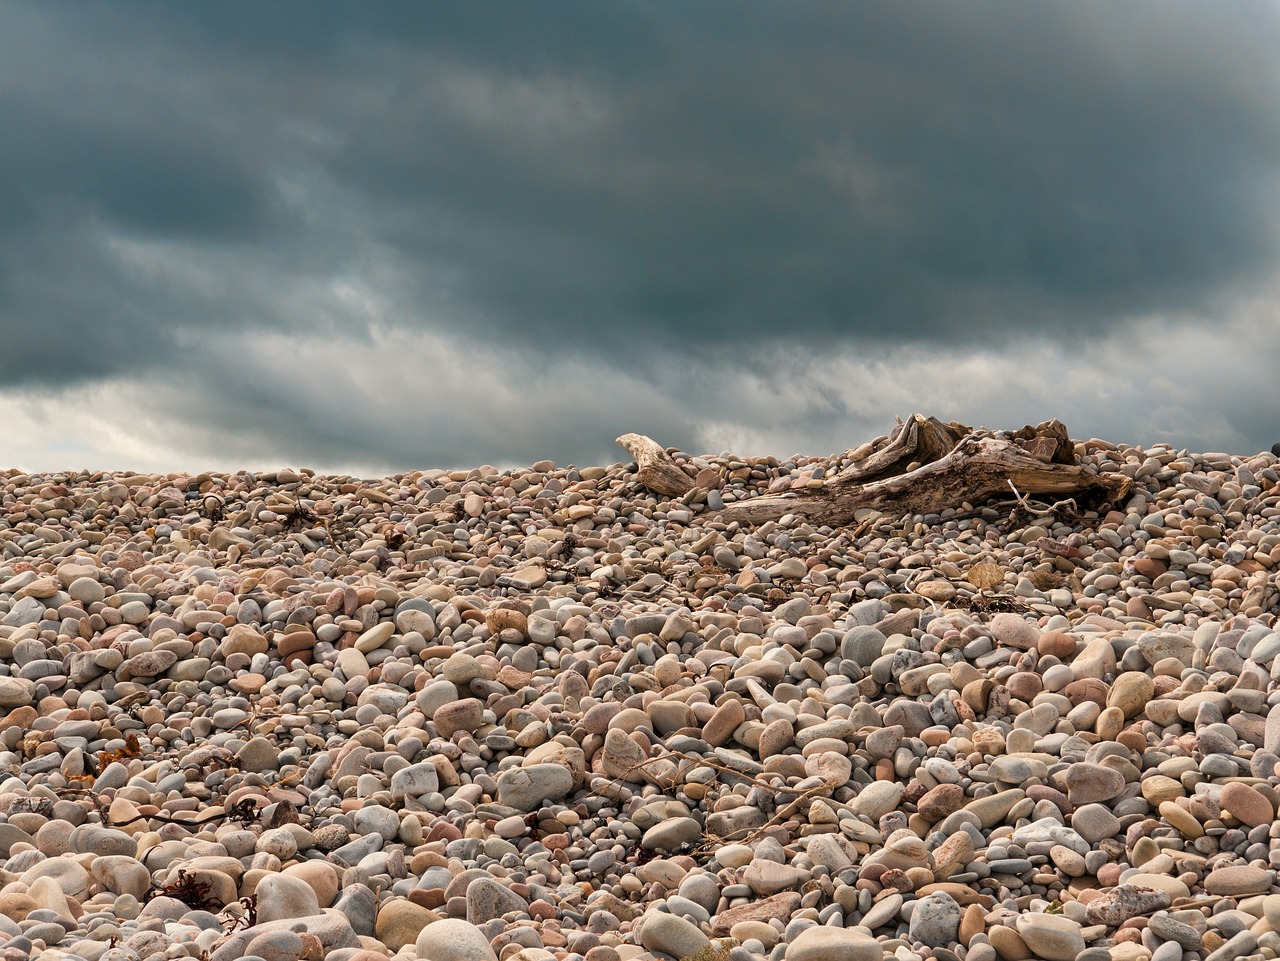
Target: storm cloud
x=382, y=236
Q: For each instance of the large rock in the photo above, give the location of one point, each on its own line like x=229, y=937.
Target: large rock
x=333, y=930
x=415, y=781
x=1013, y=630
x=780, y=907
x=464, y=715
x=16, y=691
x=281, y=897
x=672, y=835
x=1239, y=880
x=401, y=921
x=1130, y=692
x=833, y=944
x=1091, y=783
x=877, y=799
x=1247, y=803
x=862, y=645
x=528, y=788
x=1118, y=905
x=671, y=935
x=1051, y=936
x=487, y=899
x=935, y=920
x=621, y=757
x=452, y=939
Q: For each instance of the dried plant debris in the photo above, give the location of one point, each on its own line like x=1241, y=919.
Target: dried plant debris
x=192, y=891
x=985, y=576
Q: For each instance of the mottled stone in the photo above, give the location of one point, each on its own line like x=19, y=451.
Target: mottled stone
x=833, y=944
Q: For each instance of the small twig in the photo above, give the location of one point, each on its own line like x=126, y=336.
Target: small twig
x=1025, y=503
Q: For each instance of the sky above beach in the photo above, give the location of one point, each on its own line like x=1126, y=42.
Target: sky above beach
x=378, y=237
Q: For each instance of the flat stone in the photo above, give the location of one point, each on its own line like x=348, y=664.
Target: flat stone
x=877, y=799
x=1247, y=804
x=332, y=930
x=621, y=757
x=463, y=715
x=727, y=718
x=17, y=691
x=121, y=875
x=672, y=835
x=281, y=897
x=1094, y=822
x=952, y=855
x=941, y=801
x=671, y=934
x=1091, y=783
x=1118, y=905
x=487, y=899
x=1271, y=910
x=779, y=907
x=1181, y=819
x=833, y=944
x=104, y=842
x=375, y=637
x=1271, y=736
x=862, y=644
x=416, y=780
x=882, y=912
x=1013, y=630
x=1169, y=929
x=400, y=921
x=769, y=877
x=526, y=788
x=1130, y=692
x=1238, y=880
x=70, y=876
x=150, y=664
x=1052, y=937
x=829, y=851
x=991, y=810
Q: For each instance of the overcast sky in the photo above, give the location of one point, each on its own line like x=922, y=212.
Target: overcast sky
x=383, y=236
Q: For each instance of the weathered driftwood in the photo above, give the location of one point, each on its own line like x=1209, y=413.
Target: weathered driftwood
x=929, y=466
x=656, y=470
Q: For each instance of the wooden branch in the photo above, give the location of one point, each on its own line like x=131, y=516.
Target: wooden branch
x=976, y=468
x=656, y=470
x=921, y=439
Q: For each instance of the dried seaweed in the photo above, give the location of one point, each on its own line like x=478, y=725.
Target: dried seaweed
x=190, y=890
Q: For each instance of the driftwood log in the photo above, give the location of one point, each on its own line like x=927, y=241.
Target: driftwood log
x=924, y=467
x=654, y=467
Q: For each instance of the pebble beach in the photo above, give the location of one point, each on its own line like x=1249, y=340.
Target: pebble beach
x=546, y=714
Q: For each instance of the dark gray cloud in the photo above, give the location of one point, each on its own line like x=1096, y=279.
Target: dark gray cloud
x=713, y=203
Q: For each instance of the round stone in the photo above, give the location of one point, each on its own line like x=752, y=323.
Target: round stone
x=1247, y=804
x=1052, y=937
x=833, y=944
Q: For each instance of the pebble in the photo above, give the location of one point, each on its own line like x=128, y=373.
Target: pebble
x=1247, y=803
x=1052, y=937
x=546, y=713
x=672, y=935
x=935, y=920
x=451, y=939
x=832, y=944
x=1118, y=904
x=1239, y=880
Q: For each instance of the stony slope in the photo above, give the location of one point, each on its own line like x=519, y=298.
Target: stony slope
x=545, y=713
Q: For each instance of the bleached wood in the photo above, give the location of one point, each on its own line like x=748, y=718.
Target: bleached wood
x=655, y=468
x=978, y=467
